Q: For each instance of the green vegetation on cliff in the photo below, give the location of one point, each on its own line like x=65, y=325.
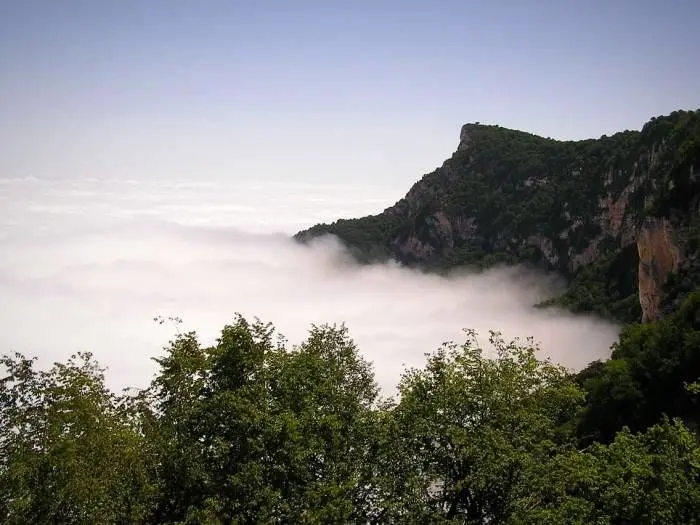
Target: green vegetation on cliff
x=576, y=207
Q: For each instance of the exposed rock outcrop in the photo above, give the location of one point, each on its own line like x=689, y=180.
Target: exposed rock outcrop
x=658, y=257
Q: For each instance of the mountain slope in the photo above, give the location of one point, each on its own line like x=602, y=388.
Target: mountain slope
x=617, y=216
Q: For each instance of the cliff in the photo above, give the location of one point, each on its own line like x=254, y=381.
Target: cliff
x=658, y=257
x=616, y=215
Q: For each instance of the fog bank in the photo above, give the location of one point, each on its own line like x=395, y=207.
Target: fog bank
x=86, y=265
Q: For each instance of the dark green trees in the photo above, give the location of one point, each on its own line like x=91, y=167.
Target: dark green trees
x=70, y=451
x=647, y=377
x=472, y=429
x=250, y=431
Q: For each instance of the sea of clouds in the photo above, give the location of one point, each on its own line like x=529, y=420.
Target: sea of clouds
x=87, y=264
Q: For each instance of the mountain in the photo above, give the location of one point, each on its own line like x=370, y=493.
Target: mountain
x=616, y=216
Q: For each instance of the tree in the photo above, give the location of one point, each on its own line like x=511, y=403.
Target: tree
x=251, y=432
x=71, y=451
x=327, y=391
x=646, y=377
x=211, y=410
x=644, y=478
x=469, y=429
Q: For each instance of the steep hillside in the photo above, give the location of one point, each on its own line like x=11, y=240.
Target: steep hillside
x=617, y=216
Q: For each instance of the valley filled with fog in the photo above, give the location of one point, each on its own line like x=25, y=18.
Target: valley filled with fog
x=87, y=265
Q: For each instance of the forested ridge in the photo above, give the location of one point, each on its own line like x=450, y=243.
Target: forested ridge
x=580, y=208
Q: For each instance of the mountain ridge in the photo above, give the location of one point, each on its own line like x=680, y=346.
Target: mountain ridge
x=616, y=216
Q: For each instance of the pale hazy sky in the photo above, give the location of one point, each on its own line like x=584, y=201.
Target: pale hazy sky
x=333, y=91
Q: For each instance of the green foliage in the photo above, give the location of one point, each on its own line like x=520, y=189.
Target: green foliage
x=71, y=452
x=607, y=288
x=469, y=430
x=367, y=239
x=647, y=376
x=647, y=478
x=251, y=431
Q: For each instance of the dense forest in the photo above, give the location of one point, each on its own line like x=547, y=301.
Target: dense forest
x=250, y=431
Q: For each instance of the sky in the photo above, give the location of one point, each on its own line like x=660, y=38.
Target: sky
x=358, y=92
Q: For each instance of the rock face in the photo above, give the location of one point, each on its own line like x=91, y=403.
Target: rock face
x=658, y=257
x=464, y=138
x=615, y=215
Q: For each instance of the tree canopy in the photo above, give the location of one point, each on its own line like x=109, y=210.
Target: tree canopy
x=251, y=430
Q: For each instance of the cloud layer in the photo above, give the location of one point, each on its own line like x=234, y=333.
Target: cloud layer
x=87, y=265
